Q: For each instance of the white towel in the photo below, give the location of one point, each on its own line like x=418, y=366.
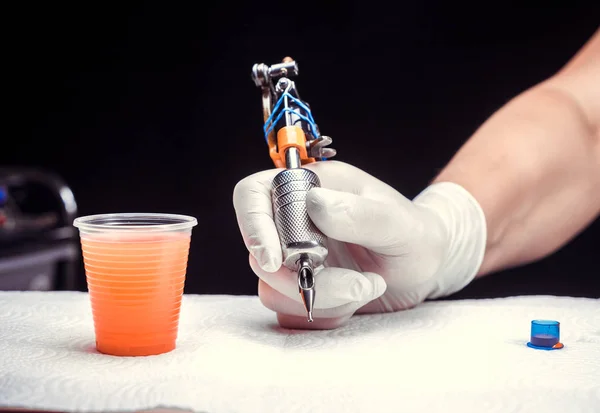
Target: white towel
x=453, y=356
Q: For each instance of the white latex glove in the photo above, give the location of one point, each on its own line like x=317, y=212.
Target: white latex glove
x=386, y=252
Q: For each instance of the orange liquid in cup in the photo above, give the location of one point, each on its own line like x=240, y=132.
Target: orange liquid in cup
x=135, y=283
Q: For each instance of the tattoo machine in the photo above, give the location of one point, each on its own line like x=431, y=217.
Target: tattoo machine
x=294, y=140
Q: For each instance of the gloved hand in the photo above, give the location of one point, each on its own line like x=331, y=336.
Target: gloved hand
x=386, y=252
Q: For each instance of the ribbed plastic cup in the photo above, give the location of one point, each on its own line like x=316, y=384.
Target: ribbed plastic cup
x=135, y=265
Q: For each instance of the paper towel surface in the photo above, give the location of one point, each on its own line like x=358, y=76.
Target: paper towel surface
x=455, y=356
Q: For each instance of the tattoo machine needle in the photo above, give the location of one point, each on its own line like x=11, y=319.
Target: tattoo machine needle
x=294, y=140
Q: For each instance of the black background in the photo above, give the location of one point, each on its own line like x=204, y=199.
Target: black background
x=150, y=107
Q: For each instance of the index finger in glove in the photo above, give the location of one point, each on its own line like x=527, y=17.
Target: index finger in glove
x=254, y=212
x=344, y=177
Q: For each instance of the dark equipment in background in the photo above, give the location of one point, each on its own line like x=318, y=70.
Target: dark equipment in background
x=39, y=247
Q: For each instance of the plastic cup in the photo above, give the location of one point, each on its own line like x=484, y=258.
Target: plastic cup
x=135, y=266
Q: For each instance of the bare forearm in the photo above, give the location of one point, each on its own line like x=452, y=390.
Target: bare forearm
x=534, y=167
